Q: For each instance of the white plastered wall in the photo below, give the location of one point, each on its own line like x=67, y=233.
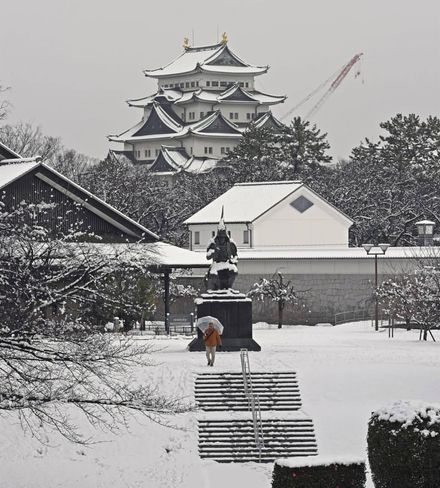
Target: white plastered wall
x=318, y=226
x=206, y=230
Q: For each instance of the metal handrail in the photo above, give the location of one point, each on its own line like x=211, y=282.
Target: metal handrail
x=253, y=401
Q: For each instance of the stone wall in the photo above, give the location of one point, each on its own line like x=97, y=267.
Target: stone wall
x=322, y=296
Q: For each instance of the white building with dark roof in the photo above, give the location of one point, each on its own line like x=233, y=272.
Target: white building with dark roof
x=284, y=214
x=206, y=98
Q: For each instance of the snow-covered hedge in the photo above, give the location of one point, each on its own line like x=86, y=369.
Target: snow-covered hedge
x=404, y=445
x=319, y=472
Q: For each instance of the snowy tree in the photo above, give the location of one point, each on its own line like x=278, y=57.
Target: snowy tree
x=303, y=148
x=4, y=103
x=29, y=141
x=255, y=158
x=388, y=185
x=415, y=297
x=297, y=151
x=52, y=355
x=275, y=290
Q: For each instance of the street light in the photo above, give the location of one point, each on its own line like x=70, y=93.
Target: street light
x=425, y=230
x=375, y=251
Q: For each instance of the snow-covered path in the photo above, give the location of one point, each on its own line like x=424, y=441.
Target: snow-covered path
x=345, y=372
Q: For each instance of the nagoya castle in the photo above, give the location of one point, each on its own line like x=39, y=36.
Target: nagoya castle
x=205, y=100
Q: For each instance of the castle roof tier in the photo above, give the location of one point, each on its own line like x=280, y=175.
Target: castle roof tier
x=268, y=121
x=217, y=58
x=233, y=94
x=172, y=160
x=160, y=125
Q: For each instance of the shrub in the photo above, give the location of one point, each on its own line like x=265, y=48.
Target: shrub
x=404, y=445
x=318, y=472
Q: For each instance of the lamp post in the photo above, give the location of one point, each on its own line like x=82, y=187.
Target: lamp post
x=376, y=251
x=425, y=230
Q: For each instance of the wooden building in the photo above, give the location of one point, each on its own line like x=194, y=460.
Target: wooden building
x=34, y=182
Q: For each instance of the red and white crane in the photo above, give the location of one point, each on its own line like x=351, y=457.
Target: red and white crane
x=335, y=80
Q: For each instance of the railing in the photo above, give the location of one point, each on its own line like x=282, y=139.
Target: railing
x=253, y=401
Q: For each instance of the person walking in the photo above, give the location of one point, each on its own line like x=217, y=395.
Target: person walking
x=212, y=340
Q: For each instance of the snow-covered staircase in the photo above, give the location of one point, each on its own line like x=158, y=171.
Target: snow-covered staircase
x=225, y=391
x=226, y=432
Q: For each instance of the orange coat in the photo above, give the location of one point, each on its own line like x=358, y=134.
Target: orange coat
x=212, y=338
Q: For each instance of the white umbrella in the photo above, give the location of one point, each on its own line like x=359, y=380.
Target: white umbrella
x=203, y=322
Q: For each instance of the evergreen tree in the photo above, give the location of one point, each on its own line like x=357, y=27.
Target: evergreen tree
x=303, y=148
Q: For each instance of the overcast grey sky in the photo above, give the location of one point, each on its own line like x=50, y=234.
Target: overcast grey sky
x=71, y=64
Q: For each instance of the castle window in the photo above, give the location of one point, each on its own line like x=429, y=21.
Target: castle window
x=215, y=83
x=165, y=86
x=247, y=84
x=208, y=149
x=157, y=152
x=187, y=84
x=248, y=116
x=236, y=116
x=229, y=233
x=196, y=237
x=147, y=153
x=213, y=233
x=182, y=85
x=241, y=84
x=208, y=83
x=192, y=115
x=202, y=114
x=231, y=115
x=197, y=83
x=245, y=237
x=223, y=83
x=193, y=84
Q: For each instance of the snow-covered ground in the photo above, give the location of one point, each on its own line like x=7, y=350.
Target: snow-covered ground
x=345, y=373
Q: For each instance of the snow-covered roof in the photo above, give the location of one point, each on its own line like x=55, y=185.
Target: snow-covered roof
x=158, y=126
x=267, y=120
x=215, y=123
x=245, y=202
x=10, y=172
x=171, y=160
x=13, y=171
x=7, y=153
x=217, y=58
x=233, y=94
x=285, y=253
x=158, y=253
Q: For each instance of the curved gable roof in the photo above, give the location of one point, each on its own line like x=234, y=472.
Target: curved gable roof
x=159, y=122
x=214, y=58
x=215, y=123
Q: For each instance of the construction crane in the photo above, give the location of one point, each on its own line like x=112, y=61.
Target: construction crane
x=335, y=80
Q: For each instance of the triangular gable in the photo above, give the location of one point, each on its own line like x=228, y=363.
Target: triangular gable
x=158, y=122
x=268, y=121
x=170, y=159
x=226, y=58
x=328, y=206
x=162, y=165
x=236, y=94
x=217, y=125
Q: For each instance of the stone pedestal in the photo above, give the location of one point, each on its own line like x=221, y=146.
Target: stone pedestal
x=234, y=310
